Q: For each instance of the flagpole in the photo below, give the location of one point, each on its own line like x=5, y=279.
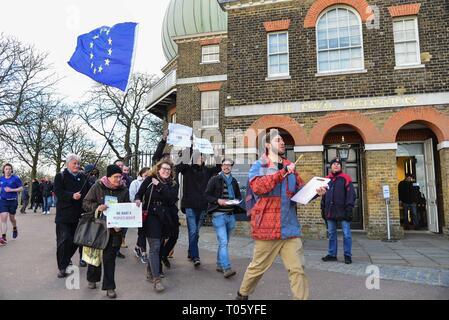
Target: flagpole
x=300, y=157
x=101, y=152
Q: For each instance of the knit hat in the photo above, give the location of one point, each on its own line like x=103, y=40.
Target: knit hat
x=88, y=168
x=335, y=160
x=113, y=169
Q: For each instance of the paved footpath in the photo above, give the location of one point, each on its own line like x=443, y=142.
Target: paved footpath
x=28, y=271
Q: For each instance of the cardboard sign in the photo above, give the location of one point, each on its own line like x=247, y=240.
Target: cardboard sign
x=203, y=145
x=124, y=215
x=179, y=135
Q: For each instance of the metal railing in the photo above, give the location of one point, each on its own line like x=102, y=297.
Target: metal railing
x=164, y=85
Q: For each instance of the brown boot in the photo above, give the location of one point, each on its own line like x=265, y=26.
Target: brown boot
x=158, y=287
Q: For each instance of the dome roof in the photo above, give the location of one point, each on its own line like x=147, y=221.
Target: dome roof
x=190, y=17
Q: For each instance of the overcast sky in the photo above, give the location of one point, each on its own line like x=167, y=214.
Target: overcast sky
x=53, y=26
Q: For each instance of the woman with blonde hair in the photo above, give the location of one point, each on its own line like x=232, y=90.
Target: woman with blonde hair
x=158, y=193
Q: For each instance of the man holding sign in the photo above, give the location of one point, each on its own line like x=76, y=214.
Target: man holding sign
x=105, y=192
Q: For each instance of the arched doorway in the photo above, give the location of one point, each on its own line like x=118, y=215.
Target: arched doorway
x=420, y=195
x=338, y=139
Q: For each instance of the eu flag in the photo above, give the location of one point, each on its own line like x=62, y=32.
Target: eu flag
x=106, y=54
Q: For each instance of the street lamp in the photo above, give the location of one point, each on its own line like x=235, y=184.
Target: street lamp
x=343, y=149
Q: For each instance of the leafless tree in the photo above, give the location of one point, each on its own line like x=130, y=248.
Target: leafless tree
x=68, y=136
x=24, y=76
x=30, y=135
x=106, y=105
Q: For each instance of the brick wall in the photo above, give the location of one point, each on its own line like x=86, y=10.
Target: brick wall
x=444, y=160
x=381, y=170
x=313, y=227
x=247, y=56
x=189, y=60
x=188, y=105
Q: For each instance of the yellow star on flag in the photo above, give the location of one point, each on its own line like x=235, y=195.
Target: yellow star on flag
x=91, y=45
x=100, y=69
x=110, y=51
x=91, y=55
x=107, y=61
x=110, y=41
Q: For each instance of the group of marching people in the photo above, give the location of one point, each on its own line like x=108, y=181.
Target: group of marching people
x=272, y=182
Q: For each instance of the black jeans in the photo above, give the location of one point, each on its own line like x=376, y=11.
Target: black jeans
x=141, y=240
x=65, y=248
x=94, y=273
x=173, y=234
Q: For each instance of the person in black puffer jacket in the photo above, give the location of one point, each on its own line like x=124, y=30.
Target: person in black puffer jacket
x=337, y=205
x=159, y=193
x=194, y=202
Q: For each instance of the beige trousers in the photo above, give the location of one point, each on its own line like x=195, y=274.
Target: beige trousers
x=265, y=252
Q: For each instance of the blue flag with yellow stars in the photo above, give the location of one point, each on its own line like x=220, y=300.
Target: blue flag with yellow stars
x=106, y=54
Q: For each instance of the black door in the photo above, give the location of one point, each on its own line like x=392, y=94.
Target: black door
x=351, y=166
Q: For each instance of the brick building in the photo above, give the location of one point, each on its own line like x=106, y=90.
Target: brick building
x=369, y=79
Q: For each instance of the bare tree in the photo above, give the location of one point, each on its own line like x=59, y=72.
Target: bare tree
x=108, y=105
x=24, y=76
x=68, y=136
x=31, y=134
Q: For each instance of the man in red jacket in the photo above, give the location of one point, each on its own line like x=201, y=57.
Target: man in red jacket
x=273, y=181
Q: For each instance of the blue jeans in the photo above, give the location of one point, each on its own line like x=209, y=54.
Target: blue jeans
x=47, y=203
x=347, y=237
x=224, y=224
x=195, y=218
x=412, y=207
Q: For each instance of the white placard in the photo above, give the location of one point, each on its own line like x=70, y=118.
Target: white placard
x=203, y=145
x=179, y=135
x=233, y=202
x=308, y=192
x=124, y=215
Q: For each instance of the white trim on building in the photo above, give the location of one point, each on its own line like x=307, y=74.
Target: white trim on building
x=303, y=149
x=380, y=146
x=215, y=78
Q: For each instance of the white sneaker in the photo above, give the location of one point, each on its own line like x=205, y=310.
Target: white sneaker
x=44, y=213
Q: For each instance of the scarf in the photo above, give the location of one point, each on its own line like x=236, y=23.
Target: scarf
x=108, y=185
x=228, y=181
x=164, y=181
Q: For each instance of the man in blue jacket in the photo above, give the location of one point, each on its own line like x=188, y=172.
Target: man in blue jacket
x=337, y=205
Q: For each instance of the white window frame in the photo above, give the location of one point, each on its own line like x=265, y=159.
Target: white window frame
x=418, y=46
x=317, y=50
x=203, y=54
x=278, y=75
x=217, y=109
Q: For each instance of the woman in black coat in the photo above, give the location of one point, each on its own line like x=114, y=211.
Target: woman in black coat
x=159, y=193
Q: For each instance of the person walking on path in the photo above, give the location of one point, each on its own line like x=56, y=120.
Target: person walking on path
x=336, y=206
x=10, y=186
x=221, y=189
x=47, y=195
x=194, y=203
x=273, y=181
x=70, y=189
x=110, y=185
x=158, y=193
x=140, y=249
x=25, y=198
x=36, y=195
